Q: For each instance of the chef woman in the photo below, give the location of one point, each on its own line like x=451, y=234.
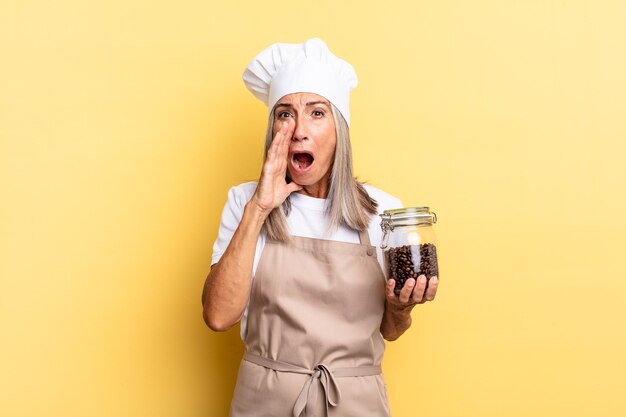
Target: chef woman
x=296, y=260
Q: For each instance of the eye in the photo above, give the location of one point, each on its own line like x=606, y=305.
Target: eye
x=318, y=113
x=284, y=114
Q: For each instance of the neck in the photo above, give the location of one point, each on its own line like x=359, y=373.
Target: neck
x=314, y=191
x=317, y=190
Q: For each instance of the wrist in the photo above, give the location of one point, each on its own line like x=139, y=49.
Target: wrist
x=258, y=213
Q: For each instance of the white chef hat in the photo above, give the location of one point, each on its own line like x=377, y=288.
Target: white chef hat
x=308, y=67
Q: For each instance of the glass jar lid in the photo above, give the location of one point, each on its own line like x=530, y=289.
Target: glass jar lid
x=408, y=216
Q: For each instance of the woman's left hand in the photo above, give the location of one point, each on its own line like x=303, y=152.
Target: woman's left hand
x=413, y=293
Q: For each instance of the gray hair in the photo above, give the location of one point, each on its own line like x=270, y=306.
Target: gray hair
x=347, y=202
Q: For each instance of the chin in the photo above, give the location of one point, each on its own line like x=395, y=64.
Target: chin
x=304, y=180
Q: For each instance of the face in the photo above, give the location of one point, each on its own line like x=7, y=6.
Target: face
x=312, y=148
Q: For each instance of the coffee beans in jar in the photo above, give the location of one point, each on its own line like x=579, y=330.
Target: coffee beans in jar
x=409, y=244
x=411, y=261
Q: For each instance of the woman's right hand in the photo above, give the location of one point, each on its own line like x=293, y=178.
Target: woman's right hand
x=273, y=188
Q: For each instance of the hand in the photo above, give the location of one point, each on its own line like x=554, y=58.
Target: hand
x=413, y=292
x=273, y=189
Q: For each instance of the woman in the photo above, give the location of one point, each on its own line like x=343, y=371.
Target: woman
x=293, y=260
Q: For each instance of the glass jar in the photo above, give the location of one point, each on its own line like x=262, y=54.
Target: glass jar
x=409, y=244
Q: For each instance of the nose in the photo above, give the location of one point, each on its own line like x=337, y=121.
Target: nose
x=300, y=130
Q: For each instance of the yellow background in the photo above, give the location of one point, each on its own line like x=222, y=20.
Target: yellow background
x=124, y=123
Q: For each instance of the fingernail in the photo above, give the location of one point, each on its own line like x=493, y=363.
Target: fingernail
x=411, y=282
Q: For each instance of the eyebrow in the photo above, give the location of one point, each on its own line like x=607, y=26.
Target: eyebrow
x=310, y=103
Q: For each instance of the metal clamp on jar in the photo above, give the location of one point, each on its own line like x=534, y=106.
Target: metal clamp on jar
x=409, y=244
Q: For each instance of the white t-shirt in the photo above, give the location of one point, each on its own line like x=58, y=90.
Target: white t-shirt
x=307, y=218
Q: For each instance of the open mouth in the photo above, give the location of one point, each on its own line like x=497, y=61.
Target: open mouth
x=302, y=161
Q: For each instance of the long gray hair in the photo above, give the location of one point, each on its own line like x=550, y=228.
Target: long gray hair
x=347, y=202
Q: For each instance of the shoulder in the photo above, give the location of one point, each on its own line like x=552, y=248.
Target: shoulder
x=238, y=197
x=240, y=194
x=385, y=200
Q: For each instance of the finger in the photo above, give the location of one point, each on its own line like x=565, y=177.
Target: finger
x=282, y=132
x=292, y=186
x=277, y=140
x=405, y=293
x=283, y=149
x=418, y=292
x=432, y=288
x=280, y=144
x=391, y=284
x=286, y=130
x=271, y=152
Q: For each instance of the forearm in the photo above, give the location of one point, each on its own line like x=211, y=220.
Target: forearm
x=395, y=322
x=227, y=287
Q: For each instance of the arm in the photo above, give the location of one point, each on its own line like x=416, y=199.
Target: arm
x=227, y=287
x=397, y=316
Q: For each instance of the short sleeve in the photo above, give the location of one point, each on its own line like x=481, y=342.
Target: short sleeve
x=231, y=217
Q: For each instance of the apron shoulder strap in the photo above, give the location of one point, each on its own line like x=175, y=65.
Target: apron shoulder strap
x=364, y=238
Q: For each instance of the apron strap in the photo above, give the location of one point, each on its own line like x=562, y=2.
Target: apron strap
x=364, y=238
x=320, y=375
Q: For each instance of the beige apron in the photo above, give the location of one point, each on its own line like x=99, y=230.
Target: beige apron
x=313, y=346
